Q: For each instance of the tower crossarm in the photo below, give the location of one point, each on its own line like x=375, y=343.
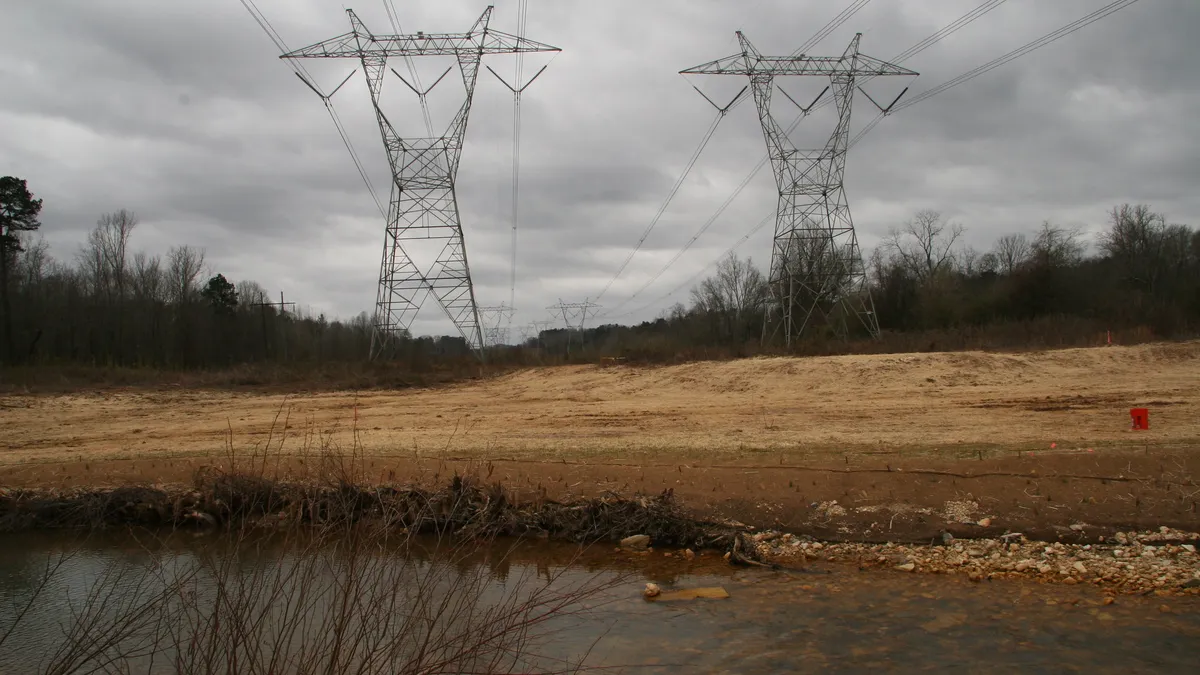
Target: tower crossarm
x=749, y=62
x=480, y=40
x=798, y=65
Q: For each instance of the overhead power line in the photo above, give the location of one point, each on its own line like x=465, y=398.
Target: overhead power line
x=712, y=128
x=394, y=19
x=834, y=23
x=522, y=17
x=1033, y=45
x=1053, y=36
x=303, y=74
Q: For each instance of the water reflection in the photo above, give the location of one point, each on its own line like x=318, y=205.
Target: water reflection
x=839, y=621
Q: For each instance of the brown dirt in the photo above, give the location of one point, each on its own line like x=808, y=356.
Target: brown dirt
x=1036, y=440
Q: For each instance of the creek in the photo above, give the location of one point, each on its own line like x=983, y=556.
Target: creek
x=824, y=619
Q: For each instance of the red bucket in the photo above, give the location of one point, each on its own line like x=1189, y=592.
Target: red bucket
x=1141, y=418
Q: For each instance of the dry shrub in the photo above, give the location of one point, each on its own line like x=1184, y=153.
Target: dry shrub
x=333, y=599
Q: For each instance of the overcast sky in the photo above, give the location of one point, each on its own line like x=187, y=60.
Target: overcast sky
x=181, y=112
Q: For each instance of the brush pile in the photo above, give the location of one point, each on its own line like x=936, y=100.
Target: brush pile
x=464, y=506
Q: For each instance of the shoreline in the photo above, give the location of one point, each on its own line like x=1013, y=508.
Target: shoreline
x=1162, y=561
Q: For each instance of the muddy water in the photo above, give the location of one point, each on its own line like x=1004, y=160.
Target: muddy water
x=832, y=619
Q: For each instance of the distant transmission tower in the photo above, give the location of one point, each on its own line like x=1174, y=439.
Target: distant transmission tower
x=816, y=265
x=423, y=204
x=575, y=316
x=495, y=322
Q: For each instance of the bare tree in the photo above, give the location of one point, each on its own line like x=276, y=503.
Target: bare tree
x=925, y=245
x=737, y=290
x=32, y=264
x=251, y=293
x=147, y=280
x=1011, y=251
x=1148, y=250
x=106, y=254
x=184, y=265
x=1057, y=247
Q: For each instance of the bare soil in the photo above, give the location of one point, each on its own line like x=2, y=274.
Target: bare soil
x=1036, y=441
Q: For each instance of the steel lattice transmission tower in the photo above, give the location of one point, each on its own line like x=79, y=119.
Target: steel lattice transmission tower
x=423, y=204
x=816, y=264
x=575, y=316
x=493, y=321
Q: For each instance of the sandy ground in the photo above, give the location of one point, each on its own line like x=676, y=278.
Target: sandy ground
x=1035, y=440
x=945, y=404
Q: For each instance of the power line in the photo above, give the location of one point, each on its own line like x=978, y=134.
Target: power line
x=712, y=128
x=522, y=18
x=692, y=279
x=834, y=23
x=938, y=35
x=1033, y=45
x=1053, y=36
x=394, y=19
x=303, y=74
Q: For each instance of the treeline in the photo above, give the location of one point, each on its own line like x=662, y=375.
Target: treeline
x=930, y=292
x=111, y=306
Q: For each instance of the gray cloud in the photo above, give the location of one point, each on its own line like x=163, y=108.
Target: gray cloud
x=181, y=112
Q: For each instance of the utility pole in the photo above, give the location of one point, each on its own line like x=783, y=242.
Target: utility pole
x=282, y=309
x=816, y=264
x=423, y=204
x=575, y=316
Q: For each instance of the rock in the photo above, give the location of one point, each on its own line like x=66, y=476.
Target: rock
x=1108, y=600
x=975, y=552
x=203, y=518
x=1190, y=583
x=907, y=567
x=668, y=554
x=947, y=539
x=1189, y=548
x=1070, y=581
x=1080, y=567
x=689, y=554
x=975, y=576
x=652, y=590
x=1121, y=538
x=985, y=522
x=1078, y=527
x=1045, y=569
x=1023, y=565
x=1164, y=609
x=637, y=542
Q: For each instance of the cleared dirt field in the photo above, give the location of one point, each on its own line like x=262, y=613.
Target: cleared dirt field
x=790, y=430
x=943, y=404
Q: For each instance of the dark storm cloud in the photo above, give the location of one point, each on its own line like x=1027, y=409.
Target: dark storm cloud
x=183, y=113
